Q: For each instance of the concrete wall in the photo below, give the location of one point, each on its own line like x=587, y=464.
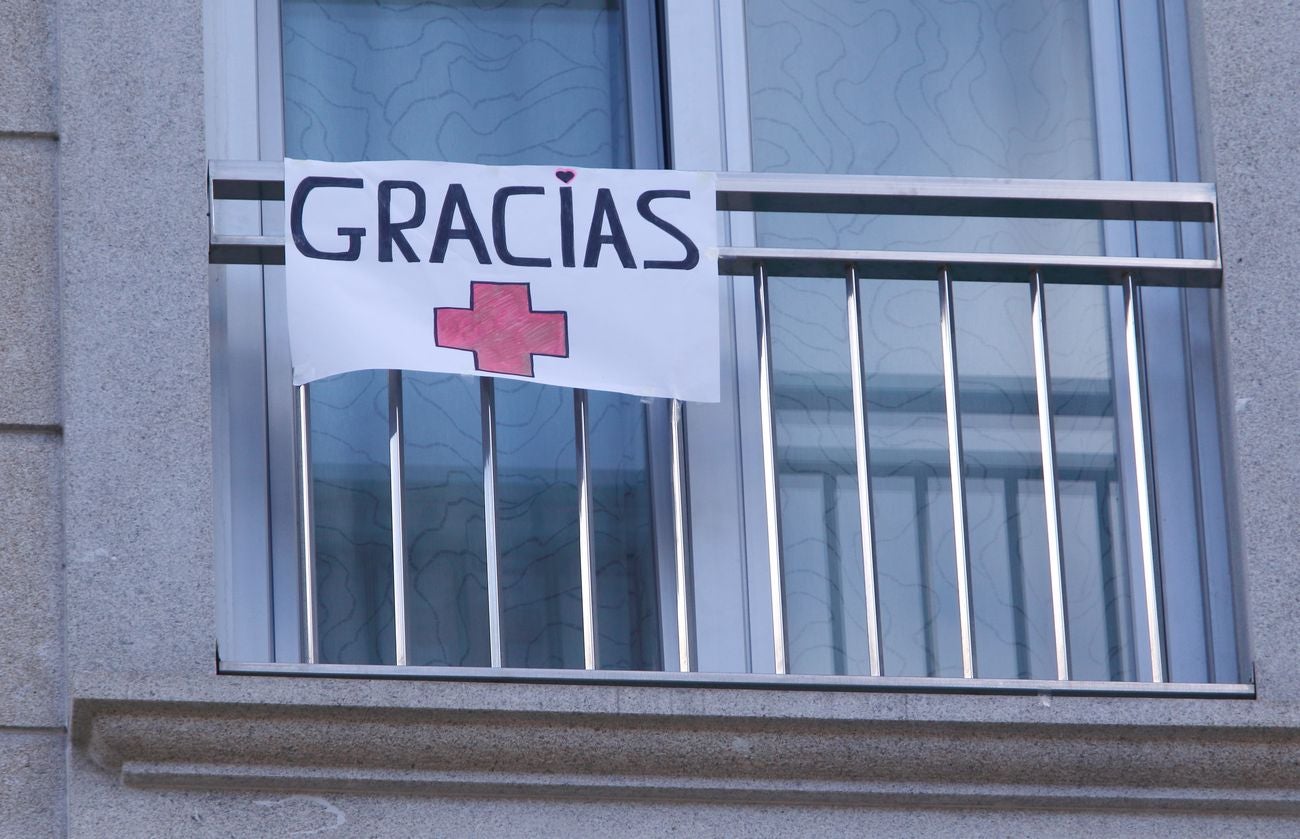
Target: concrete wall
x=32, y=713
x=1252, y=78
x=106, y=502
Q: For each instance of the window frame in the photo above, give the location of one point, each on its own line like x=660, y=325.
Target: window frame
x=1145, y=132
x=708, y=131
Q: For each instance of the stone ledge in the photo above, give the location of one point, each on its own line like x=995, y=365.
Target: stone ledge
x=454, y=784
x=689, y=743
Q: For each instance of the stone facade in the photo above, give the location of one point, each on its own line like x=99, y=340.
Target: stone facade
x=116, y=724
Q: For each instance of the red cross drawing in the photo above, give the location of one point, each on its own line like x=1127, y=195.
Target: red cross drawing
x=502, y=329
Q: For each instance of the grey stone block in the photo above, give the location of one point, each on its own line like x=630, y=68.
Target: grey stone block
x=1252, y=77
x=138, y=495
x=29, y=321
x=31, y=647
x=27, y=66
x=548, y=741
x=130, y=812
x=31, y=784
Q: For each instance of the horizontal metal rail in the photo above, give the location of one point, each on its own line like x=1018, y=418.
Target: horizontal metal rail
x=876, y=265
x=982, y=197
x=872, y=194
x=988, y=267
x=227, y=249
x=790, y=681
x=876, y=195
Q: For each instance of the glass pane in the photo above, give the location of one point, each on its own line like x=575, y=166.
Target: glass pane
x=627, y=596
x=537, y=526
x=1098, y=593
x=512, y=82
x=352, y=517
x=1002, y=462
x=445, y=537
x=911, y=492
x=923, y=87
x=1219, y=566
x=825, y=604
x=989, y=89
x=1184, y=562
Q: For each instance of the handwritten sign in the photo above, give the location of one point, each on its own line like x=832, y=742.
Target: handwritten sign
x=603, y=279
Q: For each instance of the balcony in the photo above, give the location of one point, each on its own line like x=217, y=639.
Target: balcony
x=934, y=475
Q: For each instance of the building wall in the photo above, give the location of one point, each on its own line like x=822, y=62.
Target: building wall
x=32, y=711
x=115, y=723
x=1251, y=82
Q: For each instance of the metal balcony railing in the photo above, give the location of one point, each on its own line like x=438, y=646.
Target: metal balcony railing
x=766, y=193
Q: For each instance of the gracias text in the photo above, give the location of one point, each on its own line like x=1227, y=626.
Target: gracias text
x=456, y=221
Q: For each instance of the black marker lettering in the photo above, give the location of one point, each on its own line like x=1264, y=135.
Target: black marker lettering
x=692, y=257
x=353, y=234
x=566, y=226
x=454, y=201
x=390, y=233
x=499, y=227
x=596, y=238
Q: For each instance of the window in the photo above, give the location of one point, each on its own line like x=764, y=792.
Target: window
x=1069, y=89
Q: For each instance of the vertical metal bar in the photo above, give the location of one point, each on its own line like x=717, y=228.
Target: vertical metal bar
x=488, y=412
x=1142, y=461
x=302, y=403
x=682, y=542
x=397, y=495
x=586, y=550
x=1051, y=491
x=857, y=369
x=773, y=502
x=961, y=540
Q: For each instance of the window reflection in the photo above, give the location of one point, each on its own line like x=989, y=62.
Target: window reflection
x=911, y=486
x=509, y=82
x=1098, y=591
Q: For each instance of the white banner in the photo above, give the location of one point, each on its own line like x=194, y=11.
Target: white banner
x=603, y=279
